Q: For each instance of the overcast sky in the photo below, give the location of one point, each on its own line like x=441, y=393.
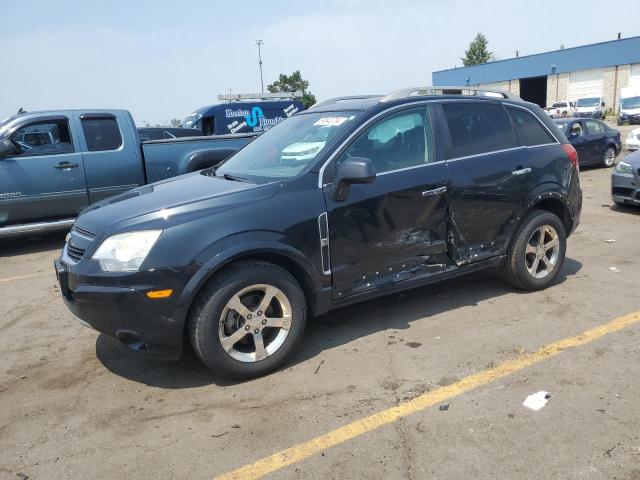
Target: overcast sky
x=163, y=59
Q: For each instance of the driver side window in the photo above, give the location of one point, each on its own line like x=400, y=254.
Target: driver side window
x=50, y=137
x=399, y=141
x=576, y=130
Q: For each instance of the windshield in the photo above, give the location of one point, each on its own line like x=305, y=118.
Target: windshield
x=588, y=102
x=271, y=155
x=630, y=102
x=192, y=121
x=4, y=123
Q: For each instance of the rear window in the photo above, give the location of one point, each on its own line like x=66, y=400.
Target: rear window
x=101, y=134
x=478, y=128
x=528, y=129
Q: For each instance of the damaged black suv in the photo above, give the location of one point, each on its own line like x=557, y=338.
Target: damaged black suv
x=354, y=198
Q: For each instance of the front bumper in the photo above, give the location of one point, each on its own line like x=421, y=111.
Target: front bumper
x=625, y=188
x=596, y=114
x=629, y=119
x=121, y=312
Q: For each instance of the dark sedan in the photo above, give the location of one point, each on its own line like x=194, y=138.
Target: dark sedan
x=595, y=142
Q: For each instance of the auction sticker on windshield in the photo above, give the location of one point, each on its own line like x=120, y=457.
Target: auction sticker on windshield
x=330, y=121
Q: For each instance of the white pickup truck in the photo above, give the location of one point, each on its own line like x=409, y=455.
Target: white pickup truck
x=561, y=109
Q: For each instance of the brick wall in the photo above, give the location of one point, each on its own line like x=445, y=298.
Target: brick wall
x=622, y=81
x=557, y=88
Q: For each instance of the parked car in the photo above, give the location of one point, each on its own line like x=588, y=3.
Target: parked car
x=595, y=142
x=625, y=180
x=409, y=189
x=632, y=142
x=561, y=109
x=53, y=164
x=592, y=107
x=241, y=117
x=165, y=133
x=629, y=106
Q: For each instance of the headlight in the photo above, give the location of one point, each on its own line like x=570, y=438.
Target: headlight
x=125, y=252
x=623, y=167
x=631, y=136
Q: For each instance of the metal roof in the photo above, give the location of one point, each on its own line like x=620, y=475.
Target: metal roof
x=596, y=55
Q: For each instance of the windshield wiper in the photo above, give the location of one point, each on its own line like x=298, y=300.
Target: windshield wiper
x=236, y=178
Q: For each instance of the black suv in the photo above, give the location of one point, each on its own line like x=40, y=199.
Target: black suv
x=354, y=198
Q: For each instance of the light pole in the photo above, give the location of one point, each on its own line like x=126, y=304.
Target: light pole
x=259, y=43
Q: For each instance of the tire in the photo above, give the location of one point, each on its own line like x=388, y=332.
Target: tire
x=564, y=114
x=248, y=282
x=520, y=258
x=609, y=158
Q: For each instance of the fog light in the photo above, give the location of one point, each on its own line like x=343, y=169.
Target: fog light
x=154, y=294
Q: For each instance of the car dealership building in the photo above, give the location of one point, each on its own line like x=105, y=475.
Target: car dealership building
x=597, y=70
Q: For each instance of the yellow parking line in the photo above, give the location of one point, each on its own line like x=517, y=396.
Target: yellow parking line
x=330, y=439
x=22, y=277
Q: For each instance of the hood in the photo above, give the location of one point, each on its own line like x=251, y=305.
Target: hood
x=172, y=198
x=633, y=159
x=630, y=111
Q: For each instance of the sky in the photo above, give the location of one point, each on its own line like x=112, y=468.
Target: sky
x=163, y=59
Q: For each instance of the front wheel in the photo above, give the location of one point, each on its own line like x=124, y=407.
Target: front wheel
x=249, y=320
x=609, y=157
x=536, y=254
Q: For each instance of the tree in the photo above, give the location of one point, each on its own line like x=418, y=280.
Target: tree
x=477, y=53
x=293, y=83
x=175, y=122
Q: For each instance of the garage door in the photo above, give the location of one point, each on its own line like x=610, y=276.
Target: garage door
x=585, y=83
x=634, y=77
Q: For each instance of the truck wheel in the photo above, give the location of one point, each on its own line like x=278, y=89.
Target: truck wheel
x=248, y=320
x=536, y=253
x=564, y=114
x=609, y=156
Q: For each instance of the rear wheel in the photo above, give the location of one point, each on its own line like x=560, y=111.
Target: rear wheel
x=249, y=320
x=537, y=252
x=609, y=156
x=564, y=114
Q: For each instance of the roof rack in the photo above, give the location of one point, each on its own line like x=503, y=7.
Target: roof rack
x=452, y=90
x=335, y=100
x=259, y=96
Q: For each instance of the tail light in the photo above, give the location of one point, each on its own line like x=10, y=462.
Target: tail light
x=572, y=154
x=558, y=111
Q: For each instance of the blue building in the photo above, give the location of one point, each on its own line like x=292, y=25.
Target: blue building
x=596, y=70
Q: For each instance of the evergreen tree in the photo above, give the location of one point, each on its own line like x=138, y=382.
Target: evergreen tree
x=478, y=52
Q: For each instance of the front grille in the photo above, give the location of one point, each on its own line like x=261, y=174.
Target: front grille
x=74, y=253
x=84, y=232
x=622, y=191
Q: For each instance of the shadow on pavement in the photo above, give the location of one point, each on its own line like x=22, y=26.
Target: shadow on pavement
x=11, y=247
x=333, y=329
x=628, y=209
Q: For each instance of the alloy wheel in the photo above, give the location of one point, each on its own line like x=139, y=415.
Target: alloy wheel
x=609, y=156
x=254, y=323
x=542, y=251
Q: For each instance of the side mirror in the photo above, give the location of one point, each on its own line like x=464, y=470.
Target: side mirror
x=573, y=135
x=7, y=148
x=353, y=170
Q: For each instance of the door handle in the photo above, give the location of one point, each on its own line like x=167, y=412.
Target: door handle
x=522, y=171
x=64, y=165
x=435, y=191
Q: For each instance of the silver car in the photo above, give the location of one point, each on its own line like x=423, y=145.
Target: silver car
x=625, y=180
